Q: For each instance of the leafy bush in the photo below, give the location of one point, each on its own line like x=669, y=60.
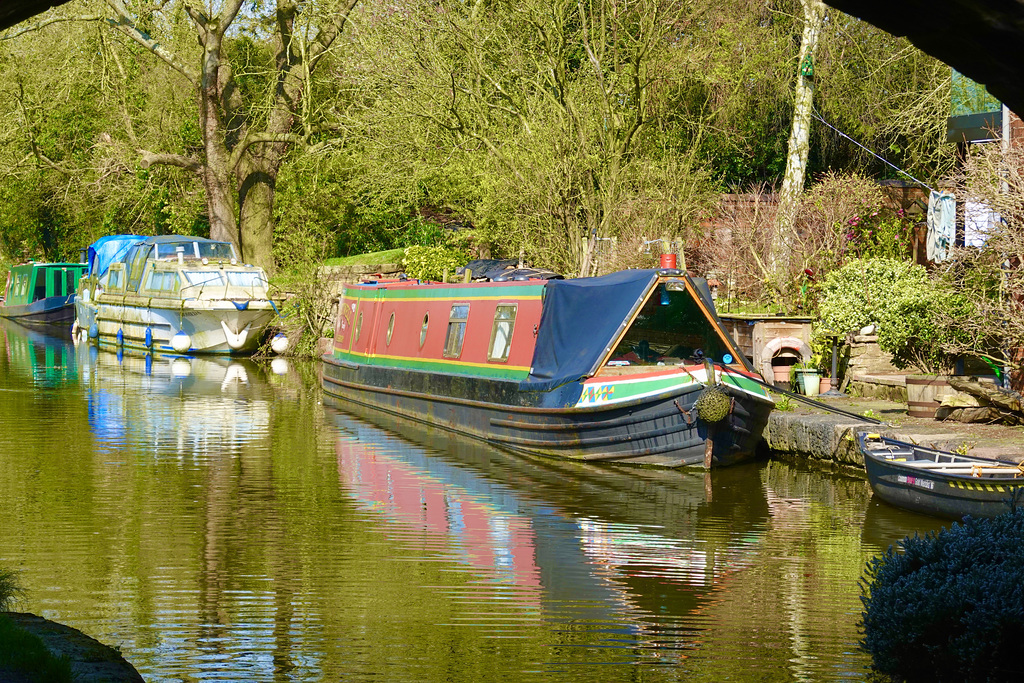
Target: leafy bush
x=879, y=234
x=9, y=588
x=949, y=606
x=908, y=306
x=431, y=263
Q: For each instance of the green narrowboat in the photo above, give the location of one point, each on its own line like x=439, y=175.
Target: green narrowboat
x=41, y=293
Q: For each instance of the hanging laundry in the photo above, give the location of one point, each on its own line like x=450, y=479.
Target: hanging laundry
x=941, y=225
x=979, y=222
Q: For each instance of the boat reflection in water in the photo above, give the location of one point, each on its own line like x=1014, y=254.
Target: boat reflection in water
x=626, y=551
x=195, y=407
x=43, y=354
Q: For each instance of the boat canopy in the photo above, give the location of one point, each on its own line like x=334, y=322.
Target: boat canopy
x=107, y=250
x=166, y=246
x=581, y=319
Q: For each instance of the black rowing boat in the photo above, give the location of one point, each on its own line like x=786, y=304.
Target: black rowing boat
x=940, y=483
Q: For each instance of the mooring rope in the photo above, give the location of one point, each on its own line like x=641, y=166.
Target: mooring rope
x=816, y=404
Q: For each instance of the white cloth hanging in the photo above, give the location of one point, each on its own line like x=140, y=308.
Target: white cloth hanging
x=979, y=222
x=941, y=225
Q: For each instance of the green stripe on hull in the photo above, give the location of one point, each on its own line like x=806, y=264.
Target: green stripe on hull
x=616, y=391
x=745, y=383
x=626, y=389
x=450, y=293
x=448, y=367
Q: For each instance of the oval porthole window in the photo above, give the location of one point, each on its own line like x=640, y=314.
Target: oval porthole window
x=359, y=325
x=423, y=330
x=391, y=328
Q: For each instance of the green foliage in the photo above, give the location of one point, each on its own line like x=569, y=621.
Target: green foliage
x=371, y=259
x=948, y=606
x=529, y=123
x=26, y=653
x=9, y=588
x=907, y=305
x=785, y=404
x=879, y=234
x=432, y=263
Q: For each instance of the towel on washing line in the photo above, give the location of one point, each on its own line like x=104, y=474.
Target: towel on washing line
x=941, y=225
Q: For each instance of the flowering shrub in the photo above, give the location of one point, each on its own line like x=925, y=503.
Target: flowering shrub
x=880, y=234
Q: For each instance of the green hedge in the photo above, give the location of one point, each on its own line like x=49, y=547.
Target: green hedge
x=949, y=606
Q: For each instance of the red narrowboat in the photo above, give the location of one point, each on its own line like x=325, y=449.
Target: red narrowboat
x=632, y=367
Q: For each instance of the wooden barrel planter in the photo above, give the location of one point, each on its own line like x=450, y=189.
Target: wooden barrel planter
x=925, y=394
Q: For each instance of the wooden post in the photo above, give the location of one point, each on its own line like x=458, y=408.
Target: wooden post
x=468, y=275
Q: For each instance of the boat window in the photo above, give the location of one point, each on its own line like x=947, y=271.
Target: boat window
x=391, y=328
x=137, y=261
x=669, y=330
x=501, y=333
x=456, y=330
x=54, y=282
x=359, y=326
x=168, y=251
x=237, y=278
x=216, y=250
x=423, y=329
x=114, y=278
x=71, y=283
x=163, y=281
x=40, y=289
x=203, y=277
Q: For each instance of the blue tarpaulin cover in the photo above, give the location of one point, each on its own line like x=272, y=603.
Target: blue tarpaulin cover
x=580, y=319
x=107, y=250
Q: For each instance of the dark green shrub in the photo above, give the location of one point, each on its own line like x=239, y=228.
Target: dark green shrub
x=9, y=588
x=949, y=606
x=25, y=653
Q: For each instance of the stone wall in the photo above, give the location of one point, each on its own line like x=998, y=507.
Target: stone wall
x=337, y=276
x=867, y=358
x=870, y=372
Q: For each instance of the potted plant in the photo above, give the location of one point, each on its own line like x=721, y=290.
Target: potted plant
x=824, y=366
x=806, y=378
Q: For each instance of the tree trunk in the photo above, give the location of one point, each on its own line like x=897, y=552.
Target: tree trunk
x=217, y=176
x=256, y=198
x=799, y=147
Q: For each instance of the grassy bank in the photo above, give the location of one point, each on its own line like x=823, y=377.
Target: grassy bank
x=21, y=651
x=25, y=653
x=372, y=259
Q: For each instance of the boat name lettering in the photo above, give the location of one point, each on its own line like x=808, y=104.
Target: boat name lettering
x=914, y=481
x=597, y=393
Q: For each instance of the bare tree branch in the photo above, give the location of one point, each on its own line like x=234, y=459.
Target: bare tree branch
x=42, y=23
x=123, y=23
x=153, y=159
x=260, y=139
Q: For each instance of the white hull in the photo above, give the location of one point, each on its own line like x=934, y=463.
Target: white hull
x=212, y=326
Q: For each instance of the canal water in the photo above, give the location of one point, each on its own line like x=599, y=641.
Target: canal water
x=222, y=521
